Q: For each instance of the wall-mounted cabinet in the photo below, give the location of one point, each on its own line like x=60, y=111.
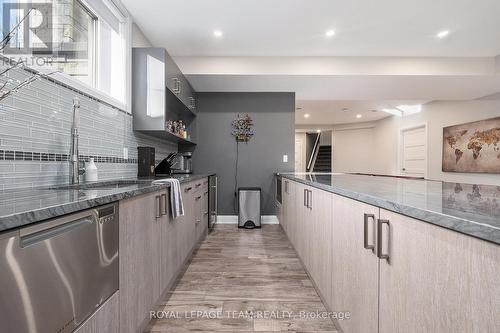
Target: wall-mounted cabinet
x=161, y=93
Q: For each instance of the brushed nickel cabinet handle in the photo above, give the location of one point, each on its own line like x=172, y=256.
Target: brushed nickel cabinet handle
x=158, y=204
x=164, y=206
x=305, y=198
x=380, y=225
x=177, y=86
x=366, y=244
x=188, y=189
x=198, y=197
x=310, y=200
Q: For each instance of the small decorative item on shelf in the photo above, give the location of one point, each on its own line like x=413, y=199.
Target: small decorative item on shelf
x=242, y=128
x=177, y=127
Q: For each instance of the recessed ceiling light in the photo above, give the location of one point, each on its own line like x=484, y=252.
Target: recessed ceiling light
x=443, y=34
x=359, y=116
x=218, y=33
x=330, y=33
x=345, y=109
x=408, y=110
x=395, y=112
x=306, y=115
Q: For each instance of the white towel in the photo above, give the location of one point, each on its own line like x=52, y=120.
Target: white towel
x=176, y=203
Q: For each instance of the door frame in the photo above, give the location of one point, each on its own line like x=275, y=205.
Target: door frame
x=301, y=137
x=425, y=126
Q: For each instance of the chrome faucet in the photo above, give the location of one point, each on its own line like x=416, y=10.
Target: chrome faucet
x=75, y=165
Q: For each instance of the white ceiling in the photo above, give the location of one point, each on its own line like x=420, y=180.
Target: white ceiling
x=344, y=112
x=384, y=52
x=297, y=27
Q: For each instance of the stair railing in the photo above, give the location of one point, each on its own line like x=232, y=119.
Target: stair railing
x=314, y=154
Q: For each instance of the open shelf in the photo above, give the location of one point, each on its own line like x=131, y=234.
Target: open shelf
x=169, y=136
x=176, y=109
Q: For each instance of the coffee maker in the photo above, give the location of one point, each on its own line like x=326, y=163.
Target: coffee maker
x=184, y=163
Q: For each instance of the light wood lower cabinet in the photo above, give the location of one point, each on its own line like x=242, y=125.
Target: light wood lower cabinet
x=299, y=239
x=198, y=215
x=320, y=245
x=170, y=257
x=139, y=243
x=437, y=280
x=287, y=198
x=354, y=283
x=153, y=248
x=434, y=279
x=105, y=319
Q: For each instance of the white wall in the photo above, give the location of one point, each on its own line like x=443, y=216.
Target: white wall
x=326, y=138
x=301, y=137
x=353, y=150
x=138, y=38
x=437, y=115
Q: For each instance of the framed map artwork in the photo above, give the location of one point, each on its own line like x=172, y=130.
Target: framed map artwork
x=472, y=147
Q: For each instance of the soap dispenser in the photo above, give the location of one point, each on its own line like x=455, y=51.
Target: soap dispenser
x=91, y=171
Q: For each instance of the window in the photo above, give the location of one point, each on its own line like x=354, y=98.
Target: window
x=101, y=38
x=87, y=44
x=73, y=35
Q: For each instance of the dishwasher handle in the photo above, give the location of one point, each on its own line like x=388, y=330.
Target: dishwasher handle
x=39, y=233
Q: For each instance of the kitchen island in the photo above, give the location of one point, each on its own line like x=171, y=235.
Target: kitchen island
x=401, y=255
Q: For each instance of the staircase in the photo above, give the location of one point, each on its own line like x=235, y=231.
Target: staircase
x=324, y=159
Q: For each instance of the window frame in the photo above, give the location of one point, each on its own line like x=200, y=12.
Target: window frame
x=92, y=90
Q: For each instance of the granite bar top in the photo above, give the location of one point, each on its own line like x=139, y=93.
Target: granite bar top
x=21, y=207
x=470, y=209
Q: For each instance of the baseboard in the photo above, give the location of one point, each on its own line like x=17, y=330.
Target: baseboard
x=233, y=219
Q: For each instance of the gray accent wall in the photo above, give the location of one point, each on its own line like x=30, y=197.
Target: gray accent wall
x=273, y=115
x=35, y=128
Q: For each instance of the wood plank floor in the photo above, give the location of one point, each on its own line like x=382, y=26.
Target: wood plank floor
x=243, y=281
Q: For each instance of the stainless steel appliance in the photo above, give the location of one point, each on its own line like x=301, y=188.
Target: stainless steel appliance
x=249, y=207
x=184, y=163
x=55, y=274
x=212, y=201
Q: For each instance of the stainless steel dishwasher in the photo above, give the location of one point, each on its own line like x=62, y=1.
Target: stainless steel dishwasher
x=53, y=275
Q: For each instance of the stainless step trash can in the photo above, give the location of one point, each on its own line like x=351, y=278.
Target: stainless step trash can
x=249, y=207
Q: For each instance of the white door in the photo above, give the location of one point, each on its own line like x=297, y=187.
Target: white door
x=299, y=155
x=414, y=152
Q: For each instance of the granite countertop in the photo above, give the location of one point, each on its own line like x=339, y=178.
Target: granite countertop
x=21, y=207
x=470, y=209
